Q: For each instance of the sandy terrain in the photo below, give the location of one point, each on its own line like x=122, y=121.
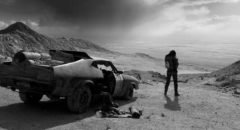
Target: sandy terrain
x=199, y=107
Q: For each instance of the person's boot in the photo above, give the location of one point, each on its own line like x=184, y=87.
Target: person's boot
x=176, y=90
x=165, y=91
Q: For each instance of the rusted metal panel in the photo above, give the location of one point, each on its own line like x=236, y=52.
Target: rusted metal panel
x=24, y=69
x=79, y=69
x=61, y=56
x=118, y=86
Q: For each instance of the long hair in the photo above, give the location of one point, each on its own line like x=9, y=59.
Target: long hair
x=172, y=53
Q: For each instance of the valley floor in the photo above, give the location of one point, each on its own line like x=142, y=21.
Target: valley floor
x=198, y=108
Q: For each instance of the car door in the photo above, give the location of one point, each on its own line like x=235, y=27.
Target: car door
x=108, y=66
x=119, y=84
x=119, y=81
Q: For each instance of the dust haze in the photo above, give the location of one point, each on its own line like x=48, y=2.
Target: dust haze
x=135, y=35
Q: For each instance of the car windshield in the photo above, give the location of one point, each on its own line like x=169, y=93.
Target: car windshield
x=108, y=66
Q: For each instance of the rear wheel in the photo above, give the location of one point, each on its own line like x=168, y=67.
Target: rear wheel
x=129, y=94
x=30, y=98
x=79, y=100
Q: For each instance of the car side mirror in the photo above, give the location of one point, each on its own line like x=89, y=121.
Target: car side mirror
x=120, y=72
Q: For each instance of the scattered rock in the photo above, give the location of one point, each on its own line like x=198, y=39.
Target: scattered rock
x=108, y=128
x=237, y=91
x=163, y=115
x=208, y=84
x=183, y=81
x=222, y=78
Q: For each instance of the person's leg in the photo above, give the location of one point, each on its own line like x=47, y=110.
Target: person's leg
x=175, y=79
x=167, y=82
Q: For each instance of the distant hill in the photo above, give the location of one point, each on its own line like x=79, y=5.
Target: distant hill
x=143, y=55
x=19, y=36
x=230, y=70
x=226, y=79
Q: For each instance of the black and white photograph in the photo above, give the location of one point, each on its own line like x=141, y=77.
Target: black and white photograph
x=119, y=64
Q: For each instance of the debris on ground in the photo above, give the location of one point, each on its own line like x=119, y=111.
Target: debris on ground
x=109, y=109
x=163, y=115
x=113, y=112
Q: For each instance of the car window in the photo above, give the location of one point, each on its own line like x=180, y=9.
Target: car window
x=104, y=67
x=108, y=66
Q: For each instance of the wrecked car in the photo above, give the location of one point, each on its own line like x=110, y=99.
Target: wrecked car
x=77, y=80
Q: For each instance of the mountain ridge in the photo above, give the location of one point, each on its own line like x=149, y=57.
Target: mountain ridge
x=19, y=36
x=18, y=26
x=233, y=69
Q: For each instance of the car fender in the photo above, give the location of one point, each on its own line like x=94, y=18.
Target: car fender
x=128, y=81
x=135, y=85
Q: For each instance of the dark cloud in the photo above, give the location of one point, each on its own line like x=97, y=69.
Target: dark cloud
x=90, y=18
x=83, y=12
x=22, y=9
x=94, y=12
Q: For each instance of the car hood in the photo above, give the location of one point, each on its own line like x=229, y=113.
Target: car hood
x=130, y=78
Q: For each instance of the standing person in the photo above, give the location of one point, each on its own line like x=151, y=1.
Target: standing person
x=171, y=63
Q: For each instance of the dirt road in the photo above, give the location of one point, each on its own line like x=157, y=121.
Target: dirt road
x=198, y=108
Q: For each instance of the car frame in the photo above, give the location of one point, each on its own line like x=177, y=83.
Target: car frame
x=77, y=81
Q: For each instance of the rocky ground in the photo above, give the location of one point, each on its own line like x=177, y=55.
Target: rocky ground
x=200, y=107
x=207, y=101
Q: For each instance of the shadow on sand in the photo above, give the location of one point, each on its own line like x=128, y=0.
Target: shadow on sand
x=46, y=114
x=172, y=104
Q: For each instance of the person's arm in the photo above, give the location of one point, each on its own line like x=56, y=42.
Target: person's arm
x=167, y=65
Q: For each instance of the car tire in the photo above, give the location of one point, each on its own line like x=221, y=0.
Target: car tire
x=79, y=100
x=129, y=94
x=30, y=98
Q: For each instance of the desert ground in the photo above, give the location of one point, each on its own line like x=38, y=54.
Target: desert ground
x=200, y=107
x=208, y=100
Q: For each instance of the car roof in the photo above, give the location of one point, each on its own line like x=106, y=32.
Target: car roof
x=97, y=60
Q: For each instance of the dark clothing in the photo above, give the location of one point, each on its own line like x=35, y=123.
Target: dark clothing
x=171, y=65
x=106, y=101
x=175, y=80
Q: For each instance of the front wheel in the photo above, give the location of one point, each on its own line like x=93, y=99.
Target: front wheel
x=80, y=99
x=30, y=98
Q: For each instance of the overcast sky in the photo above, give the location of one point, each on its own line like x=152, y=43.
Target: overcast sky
x=128, y=20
